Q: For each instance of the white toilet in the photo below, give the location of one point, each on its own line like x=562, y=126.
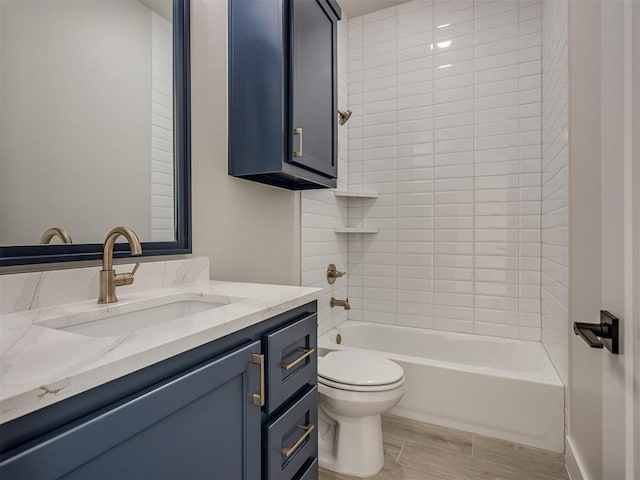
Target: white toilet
x=355, y=388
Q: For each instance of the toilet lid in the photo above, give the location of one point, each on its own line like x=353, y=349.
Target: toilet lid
x=358, y=368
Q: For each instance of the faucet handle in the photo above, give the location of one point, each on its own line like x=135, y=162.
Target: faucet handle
x=126, y=278
x=135, y=269
x=333, y=273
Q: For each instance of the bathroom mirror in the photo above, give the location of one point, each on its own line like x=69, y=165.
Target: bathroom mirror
x=94, y=127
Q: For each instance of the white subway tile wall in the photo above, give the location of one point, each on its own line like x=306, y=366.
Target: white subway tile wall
x=555, y=182
x=162, y=183
x=447, y=128
x=322, y=211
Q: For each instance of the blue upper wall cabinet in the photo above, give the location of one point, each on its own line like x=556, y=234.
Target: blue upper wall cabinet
x=283, y=92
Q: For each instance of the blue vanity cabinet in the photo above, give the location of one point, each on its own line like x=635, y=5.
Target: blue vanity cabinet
x=283, y=92
x=197, y=415
x=201, y=424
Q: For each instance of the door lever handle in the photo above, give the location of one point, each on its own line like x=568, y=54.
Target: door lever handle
x=603, y=334
x=587, y=332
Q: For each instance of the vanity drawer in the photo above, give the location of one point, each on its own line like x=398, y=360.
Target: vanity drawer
x=309, y=471
x=291, y=440
x=292, y=360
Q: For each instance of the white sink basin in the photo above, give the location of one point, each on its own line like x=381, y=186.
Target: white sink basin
x=120, y=319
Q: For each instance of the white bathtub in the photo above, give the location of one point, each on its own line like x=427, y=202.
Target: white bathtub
x=497, y=387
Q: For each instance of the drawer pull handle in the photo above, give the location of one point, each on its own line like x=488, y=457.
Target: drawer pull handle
x=290, y=365
x=258, y=398
x=308, y=428
x=298, y=131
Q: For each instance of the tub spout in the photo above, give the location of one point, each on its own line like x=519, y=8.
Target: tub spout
x=340, y=303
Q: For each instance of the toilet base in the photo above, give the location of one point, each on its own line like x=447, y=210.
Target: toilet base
x=350, y=445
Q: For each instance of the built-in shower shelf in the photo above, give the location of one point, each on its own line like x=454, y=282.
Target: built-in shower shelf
x=345, y=193
x=356, y=230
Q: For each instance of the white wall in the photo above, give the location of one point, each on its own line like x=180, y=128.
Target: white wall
x=555, y=185
x=451, y=139
x=75, y=143
x=322, y=211
x=250, y=232
x=585, y=142
x=555, y=188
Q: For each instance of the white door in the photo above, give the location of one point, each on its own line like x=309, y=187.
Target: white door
x=604, y=125
x=634, y=160
x=619, y=241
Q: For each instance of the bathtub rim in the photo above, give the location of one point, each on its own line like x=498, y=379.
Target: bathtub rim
x=547, y=376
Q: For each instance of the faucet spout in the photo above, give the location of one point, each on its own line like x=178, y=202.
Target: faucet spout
x=108, y=278
x=340, y=303
x=110, y=242
x=60, y=232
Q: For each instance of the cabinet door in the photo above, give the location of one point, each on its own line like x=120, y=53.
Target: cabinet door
x=313, y=96
x=200, y=424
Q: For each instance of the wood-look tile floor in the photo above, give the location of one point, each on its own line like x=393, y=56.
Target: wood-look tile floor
x=417, y=451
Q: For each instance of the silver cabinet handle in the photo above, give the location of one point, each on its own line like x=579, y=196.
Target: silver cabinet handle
x=298, y=131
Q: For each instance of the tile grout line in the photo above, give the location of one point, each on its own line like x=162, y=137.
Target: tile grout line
x=519, y=219
x=395, y=167
x=433, y=166
x=474, y=283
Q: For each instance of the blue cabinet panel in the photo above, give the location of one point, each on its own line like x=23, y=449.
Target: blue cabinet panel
x=292, y=362
x=309, y=471
x=258, y=127
x=313, y=88
x=201, y=424
x=282, y=77
x=292, y=439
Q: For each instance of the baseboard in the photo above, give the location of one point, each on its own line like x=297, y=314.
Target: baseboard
x=573, y=462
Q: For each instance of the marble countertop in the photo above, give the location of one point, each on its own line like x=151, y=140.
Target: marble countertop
x=43, y=365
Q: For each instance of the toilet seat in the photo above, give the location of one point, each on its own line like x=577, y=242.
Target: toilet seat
x=359, y=372
x=361, y=388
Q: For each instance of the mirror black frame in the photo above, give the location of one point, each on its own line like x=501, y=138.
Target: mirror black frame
x=32, y=254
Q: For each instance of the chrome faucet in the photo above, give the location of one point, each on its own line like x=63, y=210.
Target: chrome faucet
x=340, y=303
x=109, y=280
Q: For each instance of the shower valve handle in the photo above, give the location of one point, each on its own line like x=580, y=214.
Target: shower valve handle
x=333, y=273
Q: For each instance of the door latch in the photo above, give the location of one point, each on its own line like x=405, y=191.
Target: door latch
x=606, y=333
